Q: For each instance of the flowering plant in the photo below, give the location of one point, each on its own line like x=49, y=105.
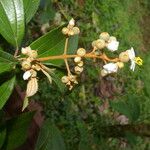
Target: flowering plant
x=52, y=49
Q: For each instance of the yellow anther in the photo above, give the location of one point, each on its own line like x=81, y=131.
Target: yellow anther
x=138, y=61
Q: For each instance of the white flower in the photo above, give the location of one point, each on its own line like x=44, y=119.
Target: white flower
x=113, y=45
x=111, y=67
x=27, y=75
x=131, y=54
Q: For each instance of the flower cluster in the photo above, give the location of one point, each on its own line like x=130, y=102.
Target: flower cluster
x=71, y=30
x=106, y=41
x=78, y=60
x=69, y=80
x=31, y=64
x=126, y=56
x=31, y=67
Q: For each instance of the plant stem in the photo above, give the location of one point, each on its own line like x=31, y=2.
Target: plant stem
x=16, y=52
x=88, y=55
x=65, y=59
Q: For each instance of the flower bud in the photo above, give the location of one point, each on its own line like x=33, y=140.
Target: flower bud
x=78, y=69
x=70, y=33
x=26, y=50
x=76, y=30
x=72, y=78
x=65, y=79
x=120, y=64
x=100, y=43
x=77, y=59
x=33, y=54
x=112, y=38
x=26, y=65
x=103, y=72
x=65, y=30
x=80, y=64
x=104, y=36
x=124, y=57
x=81, y=52
x=94, y=44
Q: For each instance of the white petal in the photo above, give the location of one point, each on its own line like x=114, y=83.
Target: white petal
x=131, y=53
x=132, y=66
x=72, y=22
x=111, y=67
x=26, y=75
x=113, y=45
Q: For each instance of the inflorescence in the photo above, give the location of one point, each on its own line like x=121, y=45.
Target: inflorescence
x=31, y=64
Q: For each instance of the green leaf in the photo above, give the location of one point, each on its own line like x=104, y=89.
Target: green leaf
x=7, y=62
x=30, y=7
x=84, y=143
x=2, y=137
x=53, y=43
x=50, y=138
x=12, y=21
x=17, y=130
x=5, y=91
x=129, y=107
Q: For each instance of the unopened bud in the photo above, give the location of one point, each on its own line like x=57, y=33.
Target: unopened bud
x=72, y=78
x=65, y=79
x=124, y=57
x=70, y=33
x=94, y=44
x=78, y=69
x=120, y=64
x=103, y=72
x=33, y=54
x=76, y=30
x=100, y=43
x=81, y=52
x=77, y=59
x=65, y=30
x=80, y=64
x=26, y=65
x=26, y=50
x=112, y=38
x=104, y=36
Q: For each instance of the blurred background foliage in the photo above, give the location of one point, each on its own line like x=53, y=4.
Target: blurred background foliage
x=92, y=115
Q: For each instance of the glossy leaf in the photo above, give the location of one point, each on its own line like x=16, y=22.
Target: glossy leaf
x=50, y=138
x=17, y=130
x=53, y=43
x=30, y=8
x=12, y=21
x=7, y=61
x=5, y=91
